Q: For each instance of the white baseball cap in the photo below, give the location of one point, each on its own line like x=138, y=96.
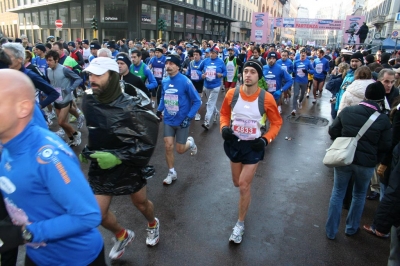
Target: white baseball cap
x=101, y=65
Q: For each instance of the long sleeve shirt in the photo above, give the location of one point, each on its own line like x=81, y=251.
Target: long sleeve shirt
x=211, y=68
x=298, y=67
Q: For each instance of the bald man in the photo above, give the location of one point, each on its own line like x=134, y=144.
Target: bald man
x=59, y=219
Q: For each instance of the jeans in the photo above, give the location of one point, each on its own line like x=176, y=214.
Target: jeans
x=342, y=175
x=382, y=191
x=394, y=256
x=212, y=95
x=297, y=88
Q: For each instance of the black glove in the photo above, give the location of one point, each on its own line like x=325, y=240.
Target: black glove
x=304, y=71
x=227, y=133
x=159, y=115
x=186, y=122
x=324, y=72
x=259, y=144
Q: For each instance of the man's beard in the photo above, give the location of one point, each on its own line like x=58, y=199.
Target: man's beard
x=100, y=88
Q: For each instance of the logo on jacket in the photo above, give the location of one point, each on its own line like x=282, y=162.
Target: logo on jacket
x=45, y=154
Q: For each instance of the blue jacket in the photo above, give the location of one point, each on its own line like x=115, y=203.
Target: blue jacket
x=151, y=81
x=334, y=83
x=321, y=67
x=274, y=76
x=194, y=67
x=41, y=63
x=286, y=65
x=298, y=67
x=53, y=198
x=157, y=64
x=348, y=79
x=179, y=99
x=212, y=67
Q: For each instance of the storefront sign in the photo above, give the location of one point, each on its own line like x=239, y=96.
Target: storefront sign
x=110, y=19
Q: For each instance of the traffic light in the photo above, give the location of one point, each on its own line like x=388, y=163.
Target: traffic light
x=162, y=26
x=94, y=23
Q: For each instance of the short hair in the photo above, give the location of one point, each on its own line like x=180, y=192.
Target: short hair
x=373, y=66
x=28, y=55
x=59, y=44
x=257, y=49
x=363, y=72
x=321, y=51
x=54, y=54
x=104, y=52
x=285, y=51
x=17, y=50
x=137, y=52
x=4, y=57
x=3, y=40
x=384, y=71
x=48, y=45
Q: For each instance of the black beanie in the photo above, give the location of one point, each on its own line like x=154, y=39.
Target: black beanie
x=375, y=92
x=41, y=47
x=358, y=56
x=255, y=64
x=174, y=59
x=385, y=58
x=370, y=59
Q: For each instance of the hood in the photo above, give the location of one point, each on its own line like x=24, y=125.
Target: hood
x=358, y=87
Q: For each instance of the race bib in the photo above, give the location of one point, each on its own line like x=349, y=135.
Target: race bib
x=300, y=72
x=59, y=90
x=230, y=72
x=42, y=69
x=211, y=73
x=271, y=85
x=194, y=75
x=157, y=72
x=245, y=129
x=318, y=68
x=171, y=103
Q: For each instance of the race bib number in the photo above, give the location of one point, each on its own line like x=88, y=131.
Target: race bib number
x=271, y=85
x=230, y=72
x=318, y=68
x=171, y=103
x=157, y=72
x=211, y=73
x=194, y=75
x=59, y=90
x=300, y=72
x=245, y=129
x=284, y=68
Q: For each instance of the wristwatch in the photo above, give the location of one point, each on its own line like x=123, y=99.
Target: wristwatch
x=27, y=235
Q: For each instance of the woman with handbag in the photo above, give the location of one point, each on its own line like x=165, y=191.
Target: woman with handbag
x=375, y=140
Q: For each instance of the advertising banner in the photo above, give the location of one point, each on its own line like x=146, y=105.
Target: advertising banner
x=322, y=24
x=351, y=26
x=288, y=22
x=259, y=28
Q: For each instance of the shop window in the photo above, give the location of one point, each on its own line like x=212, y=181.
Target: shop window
x=199, y=23
x=115, y=11
x=189, y=21
x=76, y=13
x=178, y=19
x=165, y=13
x=43, y=18
x=89, y=11
x=149, y=13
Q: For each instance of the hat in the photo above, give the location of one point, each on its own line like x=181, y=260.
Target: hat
x=71, y=44
x=159, y=50
x=125, y=59
x=190, y=53
x=346, y=52
x=18, y=40
x=189, y=45
x=375, y=92
x=85, y=42
x=78, y=40
x=174, y=59
x=359, y=56
x=100, y=65
x=111, y=45
x=370, y=58
x=397, y=70
x=303, y=50
x=272, y=45
x=229, y=48
x=165, y=46
x=179, y=48
x=207, y=50
x=254, y=63
x=41, y=47
x=214, y=49
x=272, y=54
x=94, y=45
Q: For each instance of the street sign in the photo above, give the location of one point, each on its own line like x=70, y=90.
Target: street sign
x=397, y=17
x=58, y=23
x=395, y=33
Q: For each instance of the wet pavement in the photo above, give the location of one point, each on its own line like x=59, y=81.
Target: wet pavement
x=285, y=224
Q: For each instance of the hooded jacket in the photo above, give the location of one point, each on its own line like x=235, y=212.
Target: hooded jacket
x=355, y=93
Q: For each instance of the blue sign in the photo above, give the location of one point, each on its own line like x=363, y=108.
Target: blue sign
x=397, y=17
x=395, y=33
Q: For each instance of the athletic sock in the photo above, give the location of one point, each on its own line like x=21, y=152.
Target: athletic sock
x=153, y=224
x=172, y=170
x=75, y=133
x=121, y=235
x=241, y=223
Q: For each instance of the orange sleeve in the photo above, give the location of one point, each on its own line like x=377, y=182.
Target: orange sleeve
x=273, y=116
x=225, y=112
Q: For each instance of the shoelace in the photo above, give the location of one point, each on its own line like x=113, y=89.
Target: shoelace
x=237, y=230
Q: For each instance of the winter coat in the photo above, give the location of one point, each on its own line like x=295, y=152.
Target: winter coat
x=376, y=140
x=363, y=31
x=354, y=93
x=334, y=83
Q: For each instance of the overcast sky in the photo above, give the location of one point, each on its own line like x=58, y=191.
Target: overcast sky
x=312, y=5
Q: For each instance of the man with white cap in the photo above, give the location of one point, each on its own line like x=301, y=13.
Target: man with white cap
x=117, y=156
x=179, y=102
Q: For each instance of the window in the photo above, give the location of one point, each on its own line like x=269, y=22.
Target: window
x=21, y=19
x=115, y=11
x=238, y=17
x=247, y=14
x=228, y=7
x=243, y=14
x=35, y=18
x=52, y=15
x=222, y=10
x=234, y=11
x=165, y=13
x=199, y=22
x=208, y=4
x=76, y=12
x=199, y=3
x=89, y=11
x=216, y=7
x=43, y=18
x=190, y=2
x=189, y=20
x=63, y=14
x=178, y=19
x=149, y=13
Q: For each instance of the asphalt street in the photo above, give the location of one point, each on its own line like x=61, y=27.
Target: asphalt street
x=285, y=224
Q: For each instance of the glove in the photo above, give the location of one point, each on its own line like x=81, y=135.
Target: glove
x=186, y=122
x=381, y=170
x=277, y=94
x=259, y=144
x=227, y=133
x=304, y=71
x=82, y=158
x=105, y=160
x=159, y=115
x=324, y=72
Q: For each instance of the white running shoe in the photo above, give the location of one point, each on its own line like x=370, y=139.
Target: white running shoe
x=80, y=121
x=307, y=95
x=153, y=104
x=216, y=115
x=237, y=234
x=206, y=125
x=77, y=140
x=285, y=101
x=299, y=104
x=60, y=132
x=314, y=101
x=170, y=177
x=72, y=118
x=294, y=112
x=153, y=234
x=280, y=109
x=119, y=246
x=193, y=147
x=197, y=117
x=51, y=115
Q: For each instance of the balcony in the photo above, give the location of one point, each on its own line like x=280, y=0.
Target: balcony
x=244, y=25
x=378, y=22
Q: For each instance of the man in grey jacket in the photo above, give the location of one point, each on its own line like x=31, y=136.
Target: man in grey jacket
x=64, y=80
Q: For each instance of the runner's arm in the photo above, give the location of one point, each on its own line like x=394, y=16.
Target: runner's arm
x=225, y=112
x=288, y=79
x=274, y=117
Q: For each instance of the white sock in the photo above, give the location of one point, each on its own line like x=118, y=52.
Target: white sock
x=172, y=170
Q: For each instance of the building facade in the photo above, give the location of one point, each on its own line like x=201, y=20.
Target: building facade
x=117, y=19
x=242, y=12
x=303, y=35
x=8, y=20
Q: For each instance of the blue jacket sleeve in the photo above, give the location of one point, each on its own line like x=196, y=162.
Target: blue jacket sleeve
x=194, y=97
x=311, y=69
x=45, y=87
x=161, y=106
x=69, y=188
x=151, y=79
x=289, y=81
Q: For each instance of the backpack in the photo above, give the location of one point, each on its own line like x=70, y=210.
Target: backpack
x=261, y=98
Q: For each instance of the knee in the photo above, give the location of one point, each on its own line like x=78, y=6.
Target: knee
x=180, y=149
x=141, y=205
x=244, y=187
x=169, y=147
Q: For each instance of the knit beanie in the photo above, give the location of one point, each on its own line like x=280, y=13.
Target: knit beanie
x=255, y=64
x=375, y=92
